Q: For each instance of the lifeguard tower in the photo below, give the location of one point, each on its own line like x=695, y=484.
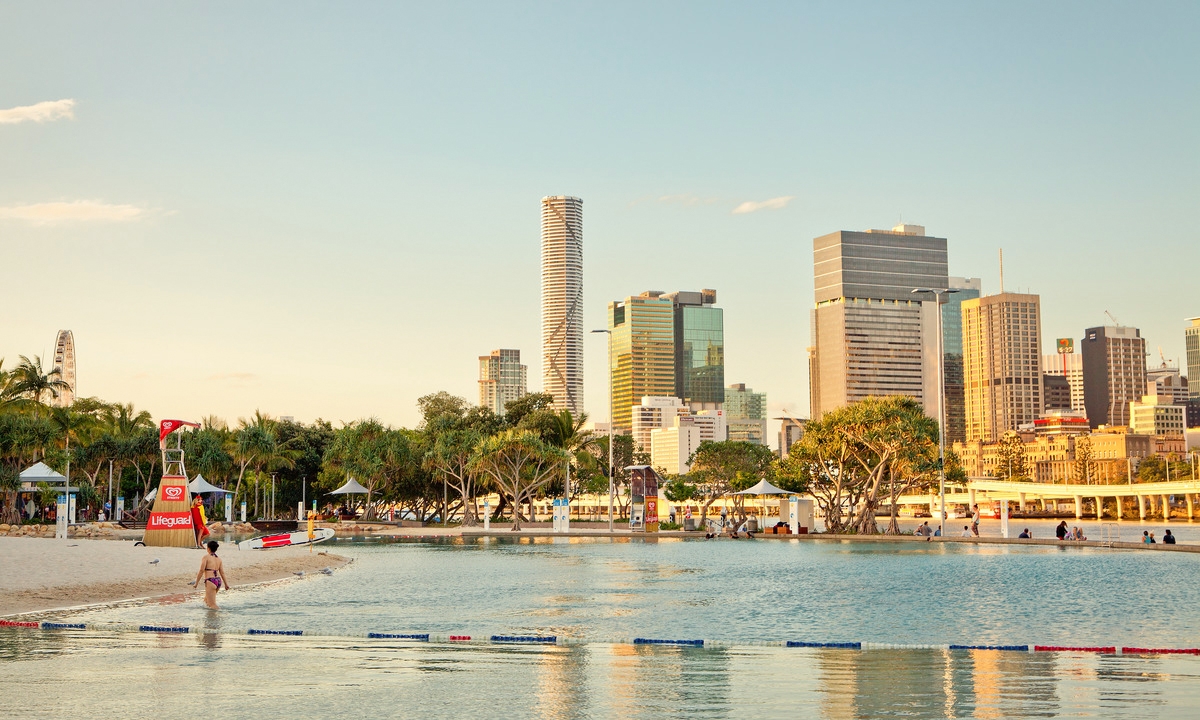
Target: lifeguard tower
x=643, y=502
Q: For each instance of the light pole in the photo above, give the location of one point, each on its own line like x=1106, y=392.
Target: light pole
x=941, y=363
x=611, y=486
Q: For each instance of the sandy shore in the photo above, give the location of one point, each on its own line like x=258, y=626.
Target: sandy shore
x=47, y=574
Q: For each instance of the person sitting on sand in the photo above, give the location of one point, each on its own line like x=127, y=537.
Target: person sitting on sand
x=212, y=574
x=1025, y=534
x=1168, y=538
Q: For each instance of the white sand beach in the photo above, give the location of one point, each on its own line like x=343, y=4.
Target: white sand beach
x=47, y=574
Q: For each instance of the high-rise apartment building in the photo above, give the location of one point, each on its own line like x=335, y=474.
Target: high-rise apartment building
x=1191, y=340
x=1114, y=373
x=952, y=355
x=791, y=430
x=64, y=363
x=871, y=335
x=502, y=379
x=1056, y=393
x=1069, y=366
x=699, y=348
x=562, y=301
x=653, y=413
x=745, y=414
x=643, y=352
x=1166, y=381
x=1002, y=364
x=671, y=448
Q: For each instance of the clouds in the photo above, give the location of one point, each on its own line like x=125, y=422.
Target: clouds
x=773, y=204
x=47, y=111
x=78, y=211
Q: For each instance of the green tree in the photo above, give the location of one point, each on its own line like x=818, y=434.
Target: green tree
x=516, y=410
x=23, y=440
x=1010, y=458
x=719, y=469
x=31, y=382
x=519, y=464
x=1085, y=461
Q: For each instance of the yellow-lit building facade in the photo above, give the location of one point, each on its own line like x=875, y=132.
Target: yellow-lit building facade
x=643, y=353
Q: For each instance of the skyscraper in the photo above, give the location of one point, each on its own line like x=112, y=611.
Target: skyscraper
x=952, y=354
x=745, y=414
x=1191, y=339
x=1002, y=364
x=699, y=348
x=64, y=363
x=1114, y=373
x=562, y=301
x=1069, y=366
x=501, y=379
x=871, y=335
x=643, y=352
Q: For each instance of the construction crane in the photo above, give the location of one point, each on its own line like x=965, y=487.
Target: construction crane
x=1110, y=317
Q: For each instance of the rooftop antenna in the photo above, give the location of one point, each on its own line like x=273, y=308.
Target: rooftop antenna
x=1001, y=270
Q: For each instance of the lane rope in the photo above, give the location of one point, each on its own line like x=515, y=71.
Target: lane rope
x=567, y=641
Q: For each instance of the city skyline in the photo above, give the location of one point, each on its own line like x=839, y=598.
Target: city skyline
x=266, y=232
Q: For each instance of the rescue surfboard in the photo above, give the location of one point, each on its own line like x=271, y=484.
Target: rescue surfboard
x=300, y=537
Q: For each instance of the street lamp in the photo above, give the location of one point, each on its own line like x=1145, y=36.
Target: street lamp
x=941, y=362
x=611, y=487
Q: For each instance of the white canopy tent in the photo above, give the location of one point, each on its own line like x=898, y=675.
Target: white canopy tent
x=350, y=488
x=200, y=485
x=762, y=487
x=42, y=473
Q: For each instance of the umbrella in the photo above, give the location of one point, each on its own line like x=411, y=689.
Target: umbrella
x=350, y=488
x=200, y=485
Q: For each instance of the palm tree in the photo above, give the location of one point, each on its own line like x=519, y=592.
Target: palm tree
x=31, y=382
x=566, y=432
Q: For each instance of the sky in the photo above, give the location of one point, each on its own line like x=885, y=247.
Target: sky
x=326, y=210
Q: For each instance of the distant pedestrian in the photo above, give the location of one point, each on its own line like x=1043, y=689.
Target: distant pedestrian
x=1060, y=532
x=1168, y=538
x=1025, y=534
x=1152, y=540
x=975, y=520
x=967, y=531
x=1146, y=537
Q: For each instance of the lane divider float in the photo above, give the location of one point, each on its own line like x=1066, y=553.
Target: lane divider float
x=559, y=640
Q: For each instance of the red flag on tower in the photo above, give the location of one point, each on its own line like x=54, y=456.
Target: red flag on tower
x=166, y=427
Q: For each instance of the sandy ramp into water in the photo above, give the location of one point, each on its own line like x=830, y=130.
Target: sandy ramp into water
x=47, y=574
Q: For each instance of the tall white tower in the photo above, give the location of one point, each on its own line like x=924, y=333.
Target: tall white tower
x=562, y=301
x=64, y=363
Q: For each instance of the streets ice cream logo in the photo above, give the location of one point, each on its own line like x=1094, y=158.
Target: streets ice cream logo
x=173, y=493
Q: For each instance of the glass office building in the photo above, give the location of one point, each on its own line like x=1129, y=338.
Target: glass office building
x=952, y=354
x=643, y=353
x=699, y=347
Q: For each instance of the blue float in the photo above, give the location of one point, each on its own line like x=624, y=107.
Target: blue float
x=550, y=640
x=651, y=641
x=398, y=636
x=162, y=629
x=1013, y=648
x=63, y=626
x=837, y=645
x=274, y=632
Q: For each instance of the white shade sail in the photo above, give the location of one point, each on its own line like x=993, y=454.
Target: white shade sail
x=763, y=488
x=200, y=485
x=350, y=488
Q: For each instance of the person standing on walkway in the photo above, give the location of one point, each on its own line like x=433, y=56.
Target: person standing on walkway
x=975, y=520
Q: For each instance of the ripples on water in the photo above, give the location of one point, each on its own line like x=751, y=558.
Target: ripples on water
x=737, y=592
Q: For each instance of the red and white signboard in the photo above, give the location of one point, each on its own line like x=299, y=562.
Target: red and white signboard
x=174, y=493
x=170, y=521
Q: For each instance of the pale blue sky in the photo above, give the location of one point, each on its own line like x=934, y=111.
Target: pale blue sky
x=334, y=208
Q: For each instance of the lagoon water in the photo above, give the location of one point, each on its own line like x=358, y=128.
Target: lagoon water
x=607, y=592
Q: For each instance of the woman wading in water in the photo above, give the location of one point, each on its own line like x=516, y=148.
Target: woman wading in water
x=212, y=574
